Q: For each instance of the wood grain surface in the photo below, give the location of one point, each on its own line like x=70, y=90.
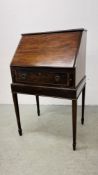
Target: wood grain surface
x=47, y=49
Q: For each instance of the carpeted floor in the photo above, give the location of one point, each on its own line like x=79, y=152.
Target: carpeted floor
x=46, y=145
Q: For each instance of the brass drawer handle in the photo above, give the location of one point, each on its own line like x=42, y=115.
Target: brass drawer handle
x=57, y=78
x=39, y=74
x=23, y=76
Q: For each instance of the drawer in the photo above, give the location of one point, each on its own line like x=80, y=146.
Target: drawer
x=44, y=78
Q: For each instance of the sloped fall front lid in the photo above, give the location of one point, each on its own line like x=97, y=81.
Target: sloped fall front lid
x=50, y=49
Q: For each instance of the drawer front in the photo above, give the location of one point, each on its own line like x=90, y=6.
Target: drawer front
x=44, y=78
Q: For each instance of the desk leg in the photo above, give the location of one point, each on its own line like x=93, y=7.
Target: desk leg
x=15, y=100
x=74, y=122
x=38, y=107
x=83, y=105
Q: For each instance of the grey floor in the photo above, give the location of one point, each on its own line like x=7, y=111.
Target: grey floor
x=46, y=145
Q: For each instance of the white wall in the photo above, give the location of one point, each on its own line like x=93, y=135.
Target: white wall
x=23, y=16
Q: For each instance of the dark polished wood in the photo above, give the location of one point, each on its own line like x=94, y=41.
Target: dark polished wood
x=38, y=107
x=51, y=64
x=83, y=105
x=47, y=50
x=68, y=93
x=15, y=100
x=74, y=122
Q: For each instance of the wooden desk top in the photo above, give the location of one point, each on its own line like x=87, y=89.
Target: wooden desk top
x=50, y=49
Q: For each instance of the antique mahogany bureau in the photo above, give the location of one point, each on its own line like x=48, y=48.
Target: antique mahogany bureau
x=50, y=64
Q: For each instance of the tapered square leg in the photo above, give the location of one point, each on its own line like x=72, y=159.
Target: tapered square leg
x=38, y=107
x=15, y=100
x=74, y=122
x=83, y=105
